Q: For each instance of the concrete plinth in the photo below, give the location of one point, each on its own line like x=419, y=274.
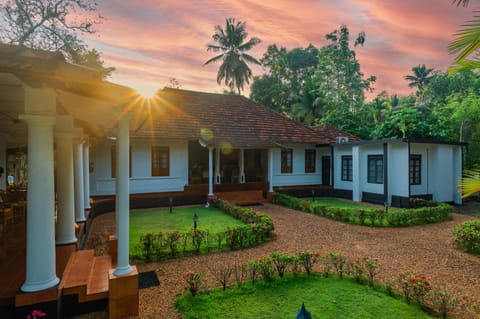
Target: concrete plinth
x=123, y=294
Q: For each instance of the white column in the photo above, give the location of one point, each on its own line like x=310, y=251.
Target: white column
x=241, y=175
x=270, y=170
x=40, y=258
x=210, y=171
x=64, y=181
x=123, y=201
x=78, y=176
x=86, y=174
x=218, y=177
x=356, y=191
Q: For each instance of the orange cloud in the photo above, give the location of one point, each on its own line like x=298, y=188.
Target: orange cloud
x=159, y=40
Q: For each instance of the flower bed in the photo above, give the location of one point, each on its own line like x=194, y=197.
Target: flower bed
x=280, y=274
x=369, y=216
x=258, y=228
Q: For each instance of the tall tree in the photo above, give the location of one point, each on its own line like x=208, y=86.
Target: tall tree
x=53, y=25
x=231, y=43
x=340, y=80
x=420, y=78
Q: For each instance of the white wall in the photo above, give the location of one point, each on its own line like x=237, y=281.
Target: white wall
x=398, y=170
x=444, y=172
x=298, y=175
x=364, y=151
x=141, y=181
x=425, y=151
x=337, y=167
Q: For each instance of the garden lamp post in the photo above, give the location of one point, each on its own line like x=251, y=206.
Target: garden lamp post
x=303, y=313
x=386, y=207
x=170, y=201
x=195, y=220
x=313, y=194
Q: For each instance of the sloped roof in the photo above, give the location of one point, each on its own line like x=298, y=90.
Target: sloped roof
x=218, y=120
x=330, y=133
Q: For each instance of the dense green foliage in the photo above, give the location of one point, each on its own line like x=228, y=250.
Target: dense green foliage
x=369, y=216
x=324, y=298
x=325, y=85
x=53, y=25
x=467, y=236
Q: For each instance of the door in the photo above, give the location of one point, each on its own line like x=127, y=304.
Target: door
x=325, y=170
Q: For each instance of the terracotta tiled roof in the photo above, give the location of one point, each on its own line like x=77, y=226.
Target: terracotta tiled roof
x=330, y=133
x=220, y=119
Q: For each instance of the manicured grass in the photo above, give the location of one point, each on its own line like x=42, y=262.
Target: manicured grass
x=338, y=203
x=181, y=219
x=323, y=297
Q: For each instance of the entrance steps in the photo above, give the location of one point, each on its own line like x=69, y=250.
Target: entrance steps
x=86, y=276
x=245, y=197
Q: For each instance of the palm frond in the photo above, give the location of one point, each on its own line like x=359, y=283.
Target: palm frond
x=470, y=183
x=250, y=58
x=460, y=2
x=214, y=59
x=249, y=44
x=467, y=39
x=464, y=65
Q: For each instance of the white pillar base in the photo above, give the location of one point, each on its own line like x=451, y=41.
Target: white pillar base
x=121, y=271
x=38, y=286
x=66, y=241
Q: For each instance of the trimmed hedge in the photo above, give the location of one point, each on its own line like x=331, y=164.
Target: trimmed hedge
x=369, y=216
x=258, y=229
x=467, y=236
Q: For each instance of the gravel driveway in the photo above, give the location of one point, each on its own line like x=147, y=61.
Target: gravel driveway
x=426, y=249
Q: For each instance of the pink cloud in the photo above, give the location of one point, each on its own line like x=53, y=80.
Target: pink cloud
x=158, y=40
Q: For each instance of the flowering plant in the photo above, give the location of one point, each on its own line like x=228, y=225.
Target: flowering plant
x=193, y=281
x=36, y=314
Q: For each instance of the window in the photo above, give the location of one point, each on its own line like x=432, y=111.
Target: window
x=347, y=168
x=309, y=161
x=287, y=161
x=375, y=169
x=160, y=161
x=415, y=169
x=113, y=161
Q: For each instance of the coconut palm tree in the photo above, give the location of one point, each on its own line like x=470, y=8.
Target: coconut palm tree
x=420, y=78
x=231, y=43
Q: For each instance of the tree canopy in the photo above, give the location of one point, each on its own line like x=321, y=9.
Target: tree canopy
x=53, y=25
x=230, y=41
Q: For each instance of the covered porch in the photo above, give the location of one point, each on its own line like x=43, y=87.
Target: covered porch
x=46, y=107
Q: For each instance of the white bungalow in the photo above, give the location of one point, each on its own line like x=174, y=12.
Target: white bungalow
x=66, y=136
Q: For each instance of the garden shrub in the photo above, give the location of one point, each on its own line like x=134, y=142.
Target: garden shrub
x=259, y=229
x=415, y=288
x=281, y=262
x=467, y=236
x=428, y=212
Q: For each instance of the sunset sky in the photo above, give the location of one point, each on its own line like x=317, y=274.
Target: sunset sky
x=150, y=42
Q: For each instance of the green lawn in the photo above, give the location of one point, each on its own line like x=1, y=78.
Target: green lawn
x=323, y=297
x=161, y=220
x=334, y=202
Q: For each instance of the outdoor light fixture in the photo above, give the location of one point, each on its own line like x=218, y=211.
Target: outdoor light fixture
x=386, y=207
x=202, y=142
x=313, y=194
x=195, y=220
x=170, y=201
x=303, y=313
